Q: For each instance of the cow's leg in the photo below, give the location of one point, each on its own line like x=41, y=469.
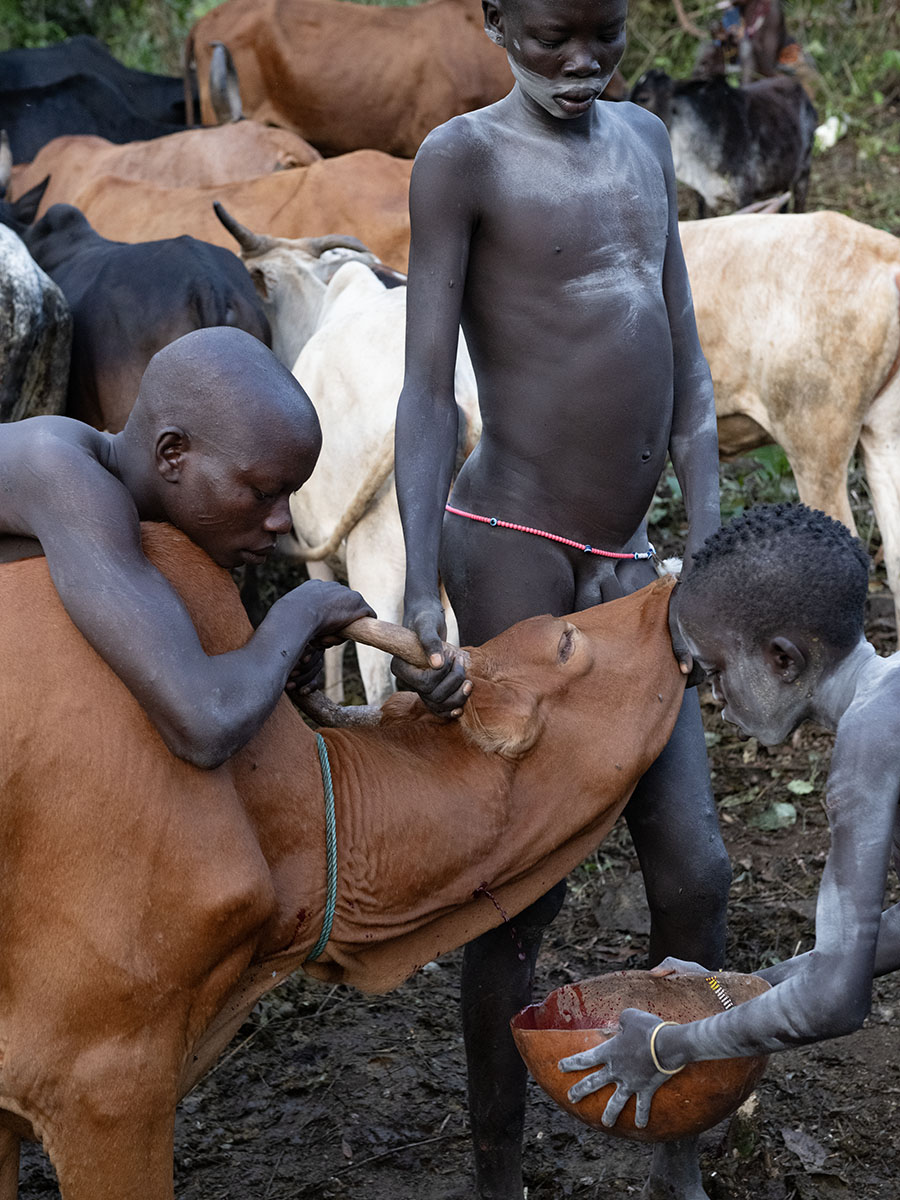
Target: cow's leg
x=9, y=1165
x=880, y=445
x=820, y=463
x=101, y=1155
x=109, y=1125
x=497, y=979
x=673, y=823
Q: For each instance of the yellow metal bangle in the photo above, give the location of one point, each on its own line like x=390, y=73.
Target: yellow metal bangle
x=663, y=1070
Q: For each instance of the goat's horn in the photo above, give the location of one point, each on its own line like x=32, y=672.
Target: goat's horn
x=250, y=242
x=386, y=636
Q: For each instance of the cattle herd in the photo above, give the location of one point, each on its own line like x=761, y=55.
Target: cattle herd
x=267, y=190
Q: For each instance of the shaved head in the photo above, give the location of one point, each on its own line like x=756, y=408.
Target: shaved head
x=220, y=436
x=223, y=388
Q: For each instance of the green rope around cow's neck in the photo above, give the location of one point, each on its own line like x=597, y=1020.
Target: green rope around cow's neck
x=330, y=851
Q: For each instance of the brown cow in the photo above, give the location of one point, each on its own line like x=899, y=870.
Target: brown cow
x=352, y=76
x=363, y=194
x=195, y=158
x=146, y=905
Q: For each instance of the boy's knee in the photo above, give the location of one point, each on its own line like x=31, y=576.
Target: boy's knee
x=698, y=885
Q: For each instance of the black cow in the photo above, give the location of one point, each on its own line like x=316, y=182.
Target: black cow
x=734, y=145
x=130, y=300
x=79, y=87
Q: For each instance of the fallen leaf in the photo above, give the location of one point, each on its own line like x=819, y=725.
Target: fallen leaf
x=779, y=815
x=811, y=1153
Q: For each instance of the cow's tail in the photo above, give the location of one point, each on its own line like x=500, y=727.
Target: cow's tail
x=357, y=508
x=189, y=76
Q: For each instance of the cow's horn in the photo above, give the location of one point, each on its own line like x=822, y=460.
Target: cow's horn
x=334, y=241
x=337, y=716
x=773, y=204
x=5, y=161
x=249, y=242
x=224, y=92
x=383, y=635
x=386, y=636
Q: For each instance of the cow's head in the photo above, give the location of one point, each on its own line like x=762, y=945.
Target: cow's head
x=541, y=681
x=290, y=276
x=518, y=676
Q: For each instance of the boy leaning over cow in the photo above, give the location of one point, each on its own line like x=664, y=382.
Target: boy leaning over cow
x=220, y=436
x=792, y=649
x=547, y=226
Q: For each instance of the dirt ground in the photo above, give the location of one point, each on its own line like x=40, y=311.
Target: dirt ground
x=326, y=1093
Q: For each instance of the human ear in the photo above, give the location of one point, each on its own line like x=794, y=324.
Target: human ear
x=787, y=660
x=171, y=447
x=493, y=23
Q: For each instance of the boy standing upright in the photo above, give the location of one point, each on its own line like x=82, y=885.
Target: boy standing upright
x=547, y=226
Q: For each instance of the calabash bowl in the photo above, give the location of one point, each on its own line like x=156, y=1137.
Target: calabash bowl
x=581, y=1015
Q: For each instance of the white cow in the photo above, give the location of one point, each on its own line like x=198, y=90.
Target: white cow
x=352, y=369
x=342, y=331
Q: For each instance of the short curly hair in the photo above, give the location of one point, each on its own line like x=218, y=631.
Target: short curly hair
x=786, y=565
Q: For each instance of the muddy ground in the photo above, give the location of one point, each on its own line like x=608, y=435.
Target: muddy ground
x=326, y=1093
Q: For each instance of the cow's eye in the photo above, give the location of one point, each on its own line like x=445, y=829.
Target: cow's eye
x=566, y=646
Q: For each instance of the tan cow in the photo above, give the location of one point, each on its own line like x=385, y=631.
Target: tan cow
x=194, y=158
x=352, y=76
x=799, y=319
x=146, y=905
x=363, y=194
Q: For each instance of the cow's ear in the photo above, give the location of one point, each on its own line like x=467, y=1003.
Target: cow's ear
x=262, y=280
x=502, y=718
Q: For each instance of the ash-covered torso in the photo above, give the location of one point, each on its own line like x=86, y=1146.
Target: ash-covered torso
x=565, y=319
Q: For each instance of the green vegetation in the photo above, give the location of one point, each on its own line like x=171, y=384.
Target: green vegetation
x=146, y=34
